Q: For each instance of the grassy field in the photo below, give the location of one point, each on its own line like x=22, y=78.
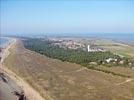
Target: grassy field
x=120, y=70
x=66, y=81
x=116, y=47
x=120, y=48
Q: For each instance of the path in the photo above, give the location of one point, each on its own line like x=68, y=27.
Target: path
x=126, y=81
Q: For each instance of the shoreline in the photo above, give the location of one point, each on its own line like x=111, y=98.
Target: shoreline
x=5, y=49
x=8, y=86
x=29, y=91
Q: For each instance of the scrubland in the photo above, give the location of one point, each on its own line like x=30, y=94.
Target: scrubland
x=57, y=80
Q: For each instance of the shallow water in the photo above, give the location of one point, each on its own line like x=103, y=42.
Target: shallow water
x=4, y=41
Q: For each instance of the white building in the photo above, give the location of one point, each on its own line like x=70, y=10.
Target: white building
x=110, y=59
x=88, y=48
x=94, y=49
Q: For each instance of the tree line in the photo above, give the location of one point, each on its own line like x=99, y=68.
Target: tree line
x=47, y=48
x=81, y=57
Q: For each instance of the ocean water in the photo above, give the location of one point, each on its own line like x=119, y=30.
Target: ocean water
x=3, y=41
x=114, y=36
x=119, y=37
x=124, y=37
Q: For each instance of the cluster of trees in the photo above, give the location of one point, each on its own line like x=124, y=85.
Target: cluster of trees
x=47, y=48
x=81, y=57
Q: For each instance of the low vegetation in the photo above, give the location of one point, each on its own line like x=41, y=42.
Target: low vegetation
x=55, y=79
x=83, y=58
x=76, y=56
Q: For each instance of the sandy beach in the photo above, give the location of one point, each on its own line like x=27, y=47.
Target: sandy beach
x=4, y=53
x=7, y=86
x=10, y=83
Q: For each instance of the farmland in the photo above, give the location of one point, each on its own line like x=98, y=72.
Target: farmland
x=58, y=80
x=117, y=47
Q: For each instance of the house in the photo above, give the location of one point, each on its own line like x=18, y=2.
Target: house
x=110, y=59
x=92, y=48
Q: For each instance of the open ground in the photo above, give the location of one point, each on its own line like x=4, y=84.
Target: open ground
x=58, y=80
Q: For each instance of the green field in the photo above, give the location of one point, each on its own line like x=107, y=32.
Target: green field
x=120, y=48
x=117, y=47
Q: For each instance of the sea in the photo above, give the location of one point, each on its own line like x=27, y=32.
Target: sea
x=4, y=41
x=122, y=37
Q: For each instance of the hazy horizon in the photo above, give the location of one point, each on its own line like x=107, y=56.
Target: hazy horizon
x=26, y=17
x=66, y=49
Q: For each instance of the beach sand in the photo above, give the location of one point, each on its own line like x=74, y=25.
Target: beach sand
x=12, y=82
x=4, y=53
x=7, y=86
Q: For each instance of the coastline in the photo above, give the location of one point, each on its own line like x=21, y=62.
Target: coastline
x=5, y=49
x=8, y=86
x=30, y=92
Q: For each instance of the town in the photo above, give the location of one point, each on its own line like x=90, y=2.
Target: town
x=91, y=47
x=76, y=45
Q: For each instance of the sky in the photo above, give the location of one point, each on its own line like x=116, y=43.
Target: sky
x=66, y=16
